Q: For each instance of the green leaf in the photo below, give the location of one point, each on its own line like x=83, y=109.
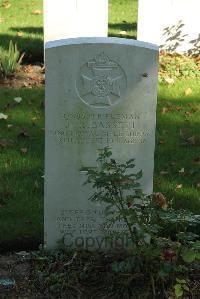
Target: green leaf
x=196, y=245
x=163, y=274
x=189, y=256
x=139, y=175
x=130, y=161
x=130, y=166
x=197, y=255
x=180, y=280
x=178, y=290
x=185, y=287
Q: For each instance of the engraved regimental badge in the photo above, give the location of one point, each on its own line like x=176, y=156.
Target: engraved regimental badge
x=101, y=82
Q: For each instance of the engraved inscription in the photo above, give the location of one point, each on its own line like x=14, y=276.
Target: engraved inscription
x=101, y=82
x=101, y=129
x=84, y=221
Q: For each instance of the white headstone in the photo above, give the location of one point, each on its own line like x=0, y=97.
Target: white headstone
x=75, y=18
x=99, y=92
x=156, y=15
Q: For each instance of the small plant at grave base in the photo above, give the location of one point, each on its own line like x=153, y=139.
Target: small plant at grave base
x=180, y=287
x=176, y=66
x=152, y=253
x=10, y=61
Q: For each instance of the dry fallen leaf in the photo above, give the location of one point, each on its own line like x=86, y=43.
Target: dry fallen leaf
x=1, y=20
x=163, y=172
x=169, y=80
x=188, y=113
x=36, y=12
x=5, y=142
x=23, y=150
x=123, y=32
x=161, y=141
x=169, y=104
x=28, y=69
x=9, y=126
x=191, y=140
x=179, y=186
x=184, y=134
x=164, y=110
x=18, y=99
x=6, y=4
x=25, y=84
x=19, y=34
x=178, y=108
x=3, y=116
x=188, y=91
x=161, y=199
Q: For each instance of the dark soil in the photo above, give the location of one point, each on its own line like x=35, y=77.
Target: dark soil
x=17, y=280
x=14, y=277
x=28, y=76
x=19, y=244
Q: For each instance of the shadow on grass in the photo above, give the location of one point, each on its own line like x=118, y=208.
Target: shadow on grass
x=20, y=244
x=32, y=41
x=173, y=153
x=124, y=26
x=32, y=46
x=32, y=30
x=21, y=182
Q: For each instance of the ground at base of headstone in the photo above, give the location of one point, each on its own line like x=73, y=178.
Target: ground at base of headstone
x=81, y=275
x=172, y=67
x=175, y=66
x=28, y=76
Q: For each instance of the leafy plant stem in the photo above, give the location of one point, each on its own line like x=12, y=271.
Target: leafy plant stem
x=134, y=241
x=153, y=285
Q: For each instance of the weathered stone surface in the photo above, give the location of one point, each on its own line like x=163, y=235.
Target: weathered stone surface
x=99, y=92
x=75, y=18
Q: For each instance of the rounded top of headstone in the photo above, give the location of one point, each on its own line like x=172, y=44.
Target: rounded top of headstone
x=102, y=40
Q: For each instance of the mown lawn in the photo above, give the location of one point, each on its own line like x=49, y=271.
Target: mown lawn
x=177, y=158
x=22, y=21
x=123, y=18
x=177, y=154
x=21, y=164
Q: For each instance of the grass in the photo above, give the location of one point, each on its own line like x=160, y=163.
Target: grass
x=17, y=22
x=21, y=182
x=181, y=121
x=123, y=18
